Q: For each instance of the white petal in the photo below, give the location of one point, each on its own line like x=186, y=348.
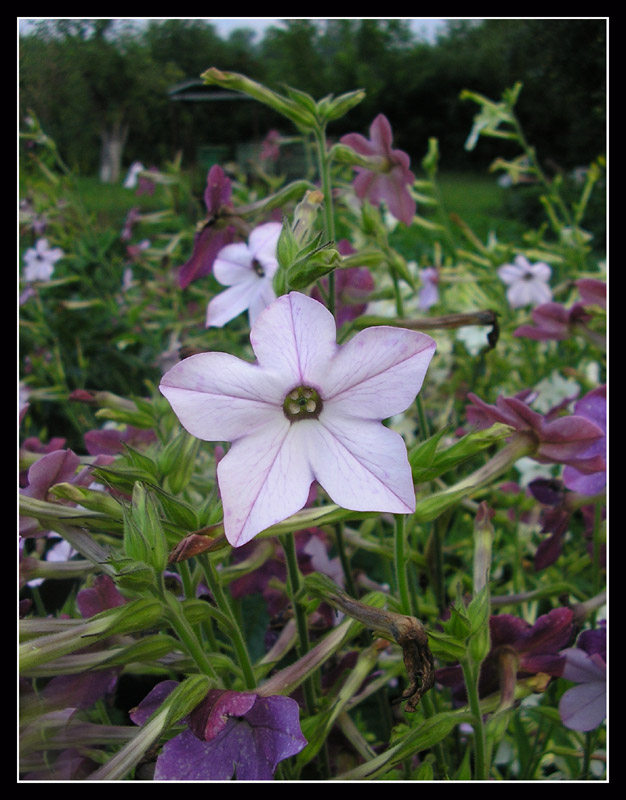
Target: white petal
x=362, y=465
x=233, y=264
x=232, y=301
x=296, y=337
x=378, y=373
x=264, y=478
x=264, y=296
x=219, y=398
x=263, y=241
x=510, y=273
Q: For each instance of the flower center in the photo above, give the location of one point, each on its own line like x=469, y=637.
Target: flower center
x=258, y=268
x=303, y=402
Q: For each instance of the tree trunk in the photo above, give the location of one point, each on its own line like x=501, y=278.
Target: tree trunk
x=113, y=140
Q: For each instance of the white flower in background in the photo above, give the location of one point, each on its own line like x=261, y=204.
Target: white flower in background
x=474, y=337
x=527, y=283
x=40, y=260
x=551, y=391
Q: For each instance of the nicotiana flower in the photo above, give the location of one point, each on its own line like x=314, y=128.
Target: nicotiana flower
x=390, y=181
x=247, y=269
x=534, y=648
x=40, y=261
x=230, y=735
x=593, y=408
x=308, y=409
x=429, y=291
x=563, y=440
x=215, y=234
x=527, y=283
x=552, y=321
x=133, y=174
x=583, y=707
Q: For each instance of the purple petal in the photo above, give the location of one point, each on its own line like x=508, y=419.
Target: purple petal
x=209, y=718
x=583, y=707
x=581, y=667
x=359, y=144
x=57, y=467
x=381, y=135
x=218, y=190
x=101, y=596
x=152, y=701
x=206, y=246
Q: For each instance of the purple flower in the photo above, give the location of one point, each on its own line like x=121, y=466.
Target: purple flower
x=270, y=150
x=429, y=293
x=527, y=283
x=307, y=410
x=593, y=408
x=583, y=707
x=214, y=235
x=564, y=440
x=592, y=291
x=231, y=734
x=553, y=322
x=536, y=649
x=40, y=261
x=247, y=269
x=390, y=180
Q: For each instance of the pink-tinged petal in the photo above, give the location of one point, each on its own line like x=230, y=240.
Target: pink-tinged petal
x=583, y=707
x=264, y=478
x=362, y=465
x=365, y=183
x=219, y=398
x=295, y=337
x=381, y=135
x=378, y=373
x=401, y=205
x=232, y=302
x=359, y=144
x=540, y=271
x=262, y=298
x=567, y=438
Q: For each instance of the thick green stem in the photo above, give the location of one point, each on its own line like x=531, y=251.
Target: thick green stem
x=401, y=565
x=215, y=587
x=471, y=686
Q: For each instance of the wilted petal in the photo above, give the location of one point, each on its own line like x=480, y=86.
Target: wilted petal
x=219, y=398
x=362, y=465
x=264, y=478
x=378, y=373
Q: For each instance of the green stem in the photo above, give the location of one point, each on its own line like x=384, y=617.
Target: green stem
x=215, y=587
x=401, y=565
x=345, y=562
x=329, y=213
x=294, y=583
x=471, y=686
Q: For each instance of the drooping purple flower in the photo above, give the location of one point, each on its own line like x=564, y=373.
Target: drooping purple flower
x=40, y=261
x=307, y=409
x=527, y=283
x=247, y=270
x=592, y=291
x=230, y=735
x=593, y=408
x=583, y=707
x=536, y=648
x=563, y=440
x=553, y=322
x=215, y=234
x=390, y=182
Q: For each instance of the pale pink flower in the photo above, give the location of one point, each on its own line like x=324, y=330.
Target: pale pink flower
x=308, y=409
x=40, y=261
x=527, y=283
x=247, y=269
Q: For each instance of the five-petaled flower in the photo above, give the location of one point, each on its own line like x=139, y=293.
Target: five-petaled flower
x=390, y=180
x=40, y=261
x=247, y=269
x=527, y=283
x=308, y=409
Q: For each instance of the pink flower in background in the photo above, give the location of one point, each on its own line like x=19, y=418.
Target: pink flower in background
x=270, y=150
x=40, y=260
x=592, y=291
x=593, y=408
x=583, y=707
x=390, y=182
x=527, y=283
x=553, y=322
x=307, y=409
x=247, y=269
